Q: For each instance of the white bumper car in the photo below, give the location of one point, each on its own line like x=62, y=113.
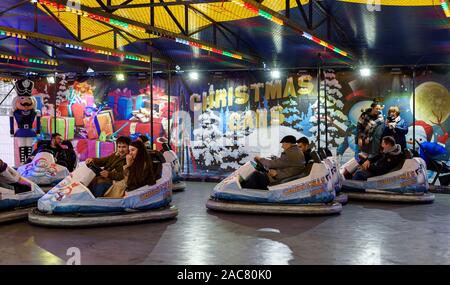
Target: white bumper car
x=308, y=194
x=171, y=157
x=17, y=195
x=336, y=177
x=71, y=204
x=43, y=170
x=407, y=183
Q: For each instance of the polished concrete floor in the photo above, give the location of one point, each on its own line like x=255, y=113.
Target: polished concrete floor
x=365, y=233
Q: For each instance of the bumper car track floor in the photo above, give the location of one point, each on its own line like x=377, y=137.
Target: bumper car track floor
x=364, y=233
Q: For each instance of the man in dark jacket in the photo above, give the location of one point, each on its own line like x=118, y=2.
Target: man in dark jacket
x=396, y=127
x=59, y=151
x=390, y=157
x=305, y=147
x=112, y=167
x=290, y=163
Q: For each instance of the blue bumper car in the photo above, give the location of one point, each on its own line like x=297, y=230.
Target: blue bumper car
x=71, y=203
x=17, y=195
x=311, y=193
x=407, y=183
x=43, y=170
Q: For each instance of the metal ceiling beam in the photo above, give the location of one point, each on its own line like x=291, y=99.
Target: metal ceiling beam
x=97, y=35
x=221, y=26
x=124, y=4
x=302, y=11
x=174, y=19
x=288, y=22
x=335, y=23
x=155, y=30
x=53, y=39
x=123, y=33
x=163, y=4
x=53, y=16
x=38, y=48
x=14, y=7
x=103, y=5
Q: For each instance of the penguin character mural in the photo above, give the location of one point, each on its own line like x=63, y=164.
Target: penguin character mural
x=24, y=113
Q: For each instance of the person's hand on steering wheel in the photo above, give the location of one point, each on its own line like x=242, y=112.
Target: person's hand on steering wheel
x=272, y=172
x=261, y=167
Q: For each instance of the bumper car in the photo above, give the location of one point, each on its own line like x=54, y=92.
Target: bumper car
x=336, y=176
x=405, y=184
x=311, y=193
x=17, y=196
x=43, y=170
x=171, y=157
x=71, y=204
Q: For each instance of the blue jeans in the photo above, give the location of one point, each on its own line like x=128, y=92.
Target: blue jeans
x=361, y=175
x=99, y=189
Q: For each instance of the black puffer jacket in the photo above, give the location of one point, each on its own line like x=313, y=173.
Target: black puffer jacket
x=384, y=162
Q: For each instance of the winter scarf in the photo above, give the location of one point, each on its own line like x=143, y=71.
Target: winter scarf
x=367, y=124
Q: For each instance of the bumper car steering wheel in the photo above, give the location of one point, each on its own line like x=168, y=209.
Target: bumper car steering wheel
x=260, y=167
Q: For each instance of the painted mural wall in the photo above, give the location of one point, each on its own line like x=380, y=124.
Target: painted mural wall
x=236, y=116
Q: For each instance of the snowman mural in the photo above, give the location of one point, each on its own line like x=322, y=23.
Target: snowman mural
x=424, y=133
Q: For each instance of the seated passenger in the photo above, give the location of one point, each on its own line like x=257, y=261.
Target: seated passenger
x=305, y=147
x=70, y=155
x=138, y=172
x=112, y=167
x=145, y=140
x=58, y=150
x=290, y=163
x=12, y=180
x=390, y=157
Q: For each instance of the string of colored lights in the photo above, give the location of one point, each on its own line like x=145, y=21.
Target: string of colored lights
x=61, y=7
x=445, y=7
x=278, y=21
x=79, y=47
x=74, y=10
x=14, y=35
x=23, y=58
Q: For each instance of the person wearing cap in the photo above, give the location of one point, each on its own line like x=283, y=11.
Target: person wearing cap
x=306, y=148
x=290, y=163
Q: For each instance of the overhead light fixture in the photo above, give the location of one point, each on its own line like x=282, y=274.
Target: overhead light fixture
x=365, y=72
x=51, y=79
x=193, y=75
x=90, y=70
x=275, y=74
x=34, y=1
x=120, y=77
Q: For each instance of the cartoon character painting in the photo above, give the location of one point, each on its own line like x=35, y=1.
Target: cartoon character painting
x=24, y=114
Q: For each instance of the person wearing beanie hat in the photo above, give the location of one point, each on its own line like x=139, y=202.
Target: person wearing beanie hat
x=290, y=163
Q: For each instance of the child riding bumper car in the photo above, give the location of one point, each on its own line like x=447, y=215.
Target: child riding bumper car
x=311, y=193
x=71, y=203
x=17, y=194
x=43, y=170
